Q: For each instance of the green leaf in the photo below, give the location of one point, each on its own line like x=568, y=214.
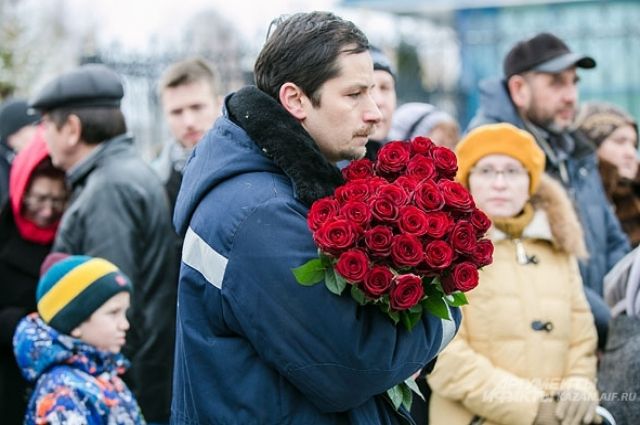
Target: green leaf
x=310, y=272
x=407, y=396
x=413, y=385
x=394, y=315
x=334, y=282
x=437, y=306
x=409, y=318
x=325, y=259
x=396, y=396
x=457, y=299
x=358, y=295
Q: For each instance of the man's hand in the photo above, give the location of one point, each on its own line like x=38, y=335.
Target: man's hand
x=575, y=407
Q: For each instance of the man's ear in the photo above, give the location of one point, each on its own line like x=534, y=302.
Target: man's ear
x=73, y=129
x=519, y=91
x=293, y=100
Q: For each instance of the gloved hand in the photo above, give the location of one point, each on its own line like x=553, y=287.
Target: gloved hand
x=546, y=413
x=575, y=407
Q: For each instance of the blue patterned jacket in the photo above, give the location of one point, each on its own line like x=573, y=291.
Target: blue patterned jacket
x=75, y=383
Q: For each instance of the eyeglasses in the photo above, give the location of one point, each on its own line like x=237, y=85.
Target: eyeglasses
x=37, y=201
x=491, y=174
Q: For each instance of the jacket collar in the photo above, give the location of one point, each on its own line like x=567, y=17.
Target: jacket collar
x=104, y=150
x=284, y=141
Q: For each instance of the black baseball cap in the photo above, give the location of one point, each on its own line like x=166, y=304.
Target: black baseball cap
x=543, y=53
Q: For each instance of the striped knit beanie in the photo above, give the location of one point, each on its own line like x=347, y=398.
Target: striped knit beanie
x=73, y=288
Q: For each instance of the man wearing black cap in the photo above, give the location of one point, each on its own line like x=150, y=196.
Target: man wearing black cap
x=118, y=211
x=16, y=131
x=539, y=93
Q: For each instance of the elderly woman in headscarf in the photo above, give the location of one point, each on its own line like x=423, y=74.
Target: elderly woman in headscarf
x=28, y=225
x=525, y=353
x=615, y=134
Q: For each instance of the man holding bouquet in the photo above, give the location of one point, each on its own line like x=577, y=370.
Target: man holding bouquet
x=253, y=346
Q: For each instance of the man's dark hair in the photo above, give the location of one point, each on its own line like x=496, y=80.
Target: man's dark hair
x=303, y=49
x=99, y=124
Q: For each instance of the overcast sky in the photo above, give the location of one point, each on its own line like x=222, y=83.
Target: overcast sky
x=132, y=22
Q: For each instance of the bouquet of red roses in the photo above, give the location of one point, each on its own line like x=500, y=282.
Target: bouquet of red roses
x=400, y=234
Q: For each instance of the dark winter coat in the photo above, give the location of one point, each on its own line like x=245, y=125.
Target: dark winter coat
x=619, y=370
x=119, y=211
x=252, y=345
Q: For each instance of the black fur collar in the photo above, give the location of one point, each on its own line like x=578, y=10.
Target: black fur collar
x=285, y=142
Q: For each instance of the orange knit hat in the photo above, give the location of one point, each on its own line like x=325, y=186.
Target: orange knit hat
x=503, y=139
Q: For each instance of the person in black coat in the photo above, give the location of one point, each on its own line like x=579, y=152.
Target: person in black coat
x=28, y=224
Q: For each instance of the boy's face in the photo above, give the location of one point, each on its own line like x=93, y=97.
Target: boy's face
x=107, y=327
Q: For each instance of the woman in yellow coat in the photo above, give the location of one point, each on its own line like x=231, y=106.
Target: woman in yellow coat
x=525, y=353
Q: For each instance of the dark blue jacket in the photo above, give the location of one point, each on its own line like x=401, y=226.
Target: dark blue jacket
x=252, y=345
x=606, y=242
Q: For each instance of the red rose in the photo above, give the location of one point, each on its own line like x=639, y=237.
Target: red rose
x=375, y=183
x=355, y=190
x=483, y=253
x=384, y=209
x=438, y=224
x=456, y=196
x=336, y=236
x=438, y=254
x=408, y=183
x=421, y=168
x=480, y=221
x=413, y=220
x=393, y=157
x=378, y=281
x=357, y=212
x=406, y=250
x=321, y=211
x=358, y=169
x=464, y=277
x=406, y=292
x=421, y=145
x=394, y=192
x=378, y=240
x=353, y=265
x=428, y=196
x=445, y=161
x=463, y=237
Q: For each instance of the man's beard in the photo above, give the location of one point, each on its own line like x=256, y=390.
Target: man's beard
x=546, y=122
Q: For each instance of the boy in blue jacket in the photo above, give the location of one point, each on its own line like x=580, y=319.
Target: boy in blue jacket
x=70, y=348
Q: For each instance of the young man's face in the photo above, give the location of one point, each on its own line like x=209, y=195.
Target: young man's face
x=190, y=110
x=552, y=99
x=107, y=327
x=347, y=114
x=384, y=94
